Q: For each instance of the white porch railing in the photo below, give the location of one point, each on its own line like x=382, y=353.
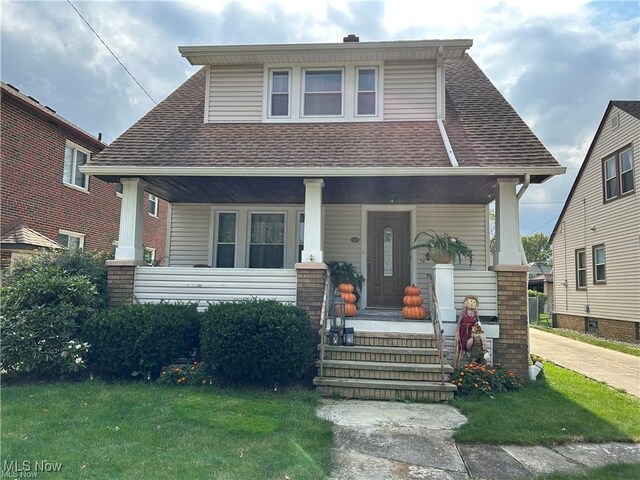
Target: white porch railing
x=203, y=285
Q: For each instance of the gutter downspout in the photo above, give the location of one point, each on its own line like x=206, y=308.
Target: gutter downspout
x=447, y=144
x=523, y=189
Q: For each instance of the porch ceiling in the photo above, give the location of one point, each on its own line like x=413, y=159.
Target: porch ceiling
x=337, y=190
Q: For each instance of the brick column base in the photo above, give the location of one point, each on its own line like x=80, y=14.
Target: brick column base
x=310, y=290
x=120, y=277
x=512, y=348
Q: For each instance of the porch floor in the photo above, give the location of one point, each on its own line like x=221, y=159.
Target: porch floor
x=383, y=320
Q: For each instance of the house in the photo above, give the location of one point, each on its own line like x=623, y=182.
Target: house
x=596, y=241
x=277, y=158
x=47, y=202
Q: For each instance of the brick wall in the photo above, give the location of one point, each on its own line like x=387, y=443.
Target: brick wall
x=120, y=283
x=32, y=187
x=570, y=322
x=310, y=290
x=512, y=348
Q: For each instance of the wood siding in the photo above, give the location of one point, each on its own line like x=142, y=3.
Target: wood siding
x=409, y=91
x=616, y=224
x=202, y=285
x=235, y=94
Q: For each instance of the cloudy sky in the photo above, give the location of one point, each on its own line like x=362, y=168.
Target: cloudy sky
x=557, y=62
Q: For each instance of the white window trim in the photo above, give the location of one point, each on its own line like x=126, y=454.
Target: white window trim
x=76, y=148
x=157, y=203
x=296, y=95
x=619, y=166
x=375, y=91
x=250, y=214
x=597, y=280
x=270, y=93
x=153, y=254
x=216, y=223
x=69, y=233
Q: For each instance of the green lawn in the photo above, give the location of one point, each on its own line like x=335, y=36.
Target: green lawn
x=586, y=338
x=610, y=472
x=135, y=431
x=563, y=407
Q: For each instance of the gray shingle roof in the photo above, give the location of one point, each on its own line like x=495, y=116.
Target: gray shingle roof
x=484, y=131
x=632, y=107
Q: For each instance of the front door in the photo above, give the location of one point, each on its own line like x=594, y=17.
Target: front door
x=388, y=259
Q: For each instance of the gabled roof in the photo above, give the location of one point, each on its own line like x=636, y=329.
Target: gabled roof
x=485, y=132
x=9, y=92
x=17, y=234
x=632, y=107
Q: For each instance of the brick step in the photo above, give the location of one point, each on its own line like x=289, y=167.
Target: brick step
x=381, y=354
x=383, y=371
x=384, y=389
x=392, y=339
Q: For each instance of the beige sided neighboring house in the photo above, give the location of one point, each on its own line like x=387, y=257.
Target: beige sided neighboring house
x=596, y=241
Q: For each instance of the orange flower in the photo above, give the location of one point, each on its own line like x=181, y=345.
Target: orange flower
x=182, y=379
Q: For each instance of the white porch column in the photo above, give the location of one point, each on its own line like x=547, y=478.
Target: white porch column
x=444, y=285
x=507, y=224
x=131, y=218
x=312, y=249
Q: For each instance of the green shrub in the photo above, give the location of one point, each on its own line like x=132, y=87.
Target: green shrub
x=140, y=339
x=73, y=262
x=475, y=377
x=259, y=342
x=41, y=316
x=194, y=374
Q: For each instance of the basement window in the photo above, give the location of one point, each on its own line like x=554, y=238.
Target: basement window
x=591, y=326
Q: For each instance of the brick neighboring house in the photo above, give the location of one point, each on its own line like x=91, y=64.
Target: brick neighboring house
x=46, y=199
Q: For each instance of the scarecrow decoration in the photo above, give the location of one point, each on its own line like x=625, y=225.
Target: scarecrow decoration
x=477, y=345
x=468, y=318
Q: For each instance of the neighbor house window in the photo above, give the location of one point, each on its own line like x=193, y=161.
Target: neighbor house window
x=366, y=93
x=617, y=172
x=119, y=188
x=300, y=235
x=266, y=248
x=226, y=240
x=599, y=264
x=322, y=92
x=71, y=240
x=581, y=269
x=149, y=255
x=153, y=205
x=279, y=94
x=74, y=158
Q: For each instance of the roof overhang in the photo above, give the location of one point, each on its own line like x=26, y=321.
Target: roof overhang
x=409, y=50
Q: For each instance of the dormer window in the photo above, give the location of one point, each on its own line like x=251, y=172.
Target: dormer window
x=279, y=93
x=323, y=92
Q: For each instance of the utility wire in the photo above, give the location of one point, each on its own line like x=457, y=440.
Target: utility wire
x=113, y=54
x=538, y=228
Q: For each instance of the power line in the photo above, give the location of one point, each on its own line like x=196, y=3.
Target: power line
x=539, y=227
x=113, y=54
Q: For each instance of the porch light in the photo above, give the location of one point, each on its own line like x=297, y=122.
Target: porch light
x=348, y=339
x=335, y=336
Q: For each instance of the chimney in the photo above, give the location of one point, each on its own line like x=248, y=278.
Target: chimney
x=352, y=37
x=99, y=136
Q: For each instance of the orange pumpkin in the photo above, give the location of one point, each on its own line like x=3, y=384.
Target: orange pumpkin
x=350, y=309
x=412, y=290
x=414, y=313
x=349, y=297
x=346, y=288
x=412, y=300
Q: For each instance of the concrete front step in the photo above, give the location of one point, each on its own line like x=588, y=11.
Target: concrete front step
x=383, y=371
x=384, y=389
x=382, y=354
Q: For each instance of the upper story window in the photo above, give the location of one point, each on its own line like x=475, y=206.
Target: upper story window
x=581, y=269
x=617, y=174
x=153, y=205
x=74, y=158
x=599, y=264
x=322, y=92
x=366, y=99
x=279, y=93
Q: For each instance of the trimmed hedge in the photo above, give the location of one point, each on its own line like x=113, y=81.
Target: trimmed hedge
x=259, y=342
x=140, y=339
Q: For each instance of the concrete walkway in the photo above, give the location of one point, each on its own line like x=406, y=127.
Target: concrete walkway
x=619, y=370
x=398, y=441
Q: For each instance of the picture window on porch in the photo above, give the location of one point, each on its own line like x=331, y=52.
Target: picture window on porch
x=226, y=240
x=388, y=251
x=279, y=94
x=322, y=92
x=300, y=235
x=266, y=248
x=599, y=264
x=581, y=268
